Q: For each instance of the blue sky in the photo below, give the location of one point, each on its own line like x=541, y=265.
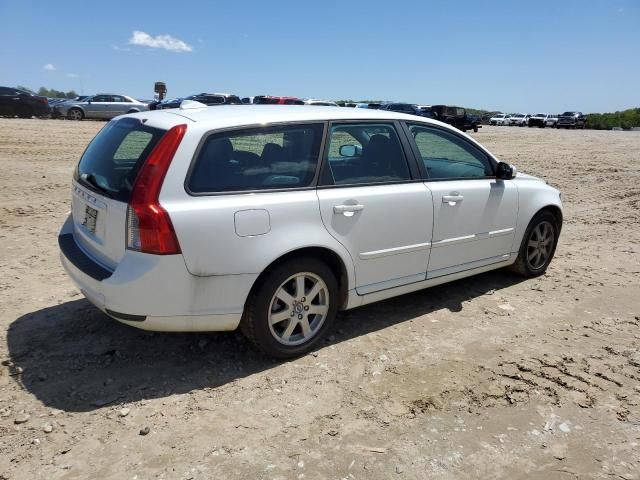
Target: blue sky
x=545, y=55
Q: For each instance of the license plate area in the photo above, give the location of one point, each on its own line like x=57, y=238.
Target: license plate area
x=90, y=219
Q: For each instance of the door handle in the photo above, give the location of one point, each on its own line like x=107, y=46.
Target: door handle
x=452, y=199
x=348, y=210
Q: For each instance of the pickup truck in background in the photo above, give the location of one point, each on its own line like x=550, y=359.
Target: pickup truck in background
x=540, y=120
x=572, y=120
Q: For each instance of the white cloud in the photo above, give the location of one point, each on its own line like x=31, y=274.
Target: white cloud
x=167, y=42
x=49, y=67
x=118, y=48
x=72, y=75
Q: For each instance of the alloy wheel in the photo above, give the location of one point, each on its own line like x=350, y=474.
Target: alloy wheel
x=298, y=308
x=540, y=245
x=75, y=114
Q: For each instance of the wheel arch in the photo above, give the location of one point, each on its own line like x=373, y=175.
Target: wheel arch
x=331, y=258
x=533, y=199
x=555, y=210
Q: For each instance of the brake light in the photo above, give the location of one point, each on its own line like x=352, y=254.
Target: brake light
x=149, y=228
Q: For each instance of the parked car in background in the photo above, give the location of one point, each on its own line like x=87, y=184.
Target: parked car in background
x=270, y=100
x=15, y=102
x=229, y=217
x=518, y=120
x=572, y=120
x=538, y=120
x=474, y=122
x=371, y=106
x=498, y=119
x=455, y=116
x=552, y=120
x=205, y=98
x=320, y=103
x=55, y=113
x=101, y=106
x=408, y=108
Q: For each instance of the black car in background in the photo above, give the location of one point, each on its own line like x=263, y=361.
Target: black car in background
x=408, y=108
x=206, y=98
x=456, y=116
x=15, y=102
x=571, y=120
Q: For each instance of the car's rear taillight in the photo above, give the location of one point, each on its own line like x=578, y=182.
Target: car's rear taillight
x=149, y=228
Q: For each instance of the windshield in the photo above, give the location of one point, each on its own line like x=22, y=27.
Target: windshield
x=540, y=115
x=111, y=162
x=568, y=114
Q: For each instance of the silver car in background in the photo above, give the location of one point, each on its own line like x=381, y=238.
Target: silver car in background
x=103, y=105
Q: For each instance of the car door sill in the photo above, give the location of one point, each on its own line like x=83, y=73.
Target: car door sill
x=356, y=300
x=466, y=266
x=396, y=282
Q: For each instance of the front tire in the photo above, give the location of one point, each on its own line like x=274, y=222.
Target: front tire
x=292, y=308
x=538, y=245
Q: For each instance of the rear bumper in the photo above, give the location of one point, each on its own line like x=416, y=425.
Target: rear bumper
x=155, y=292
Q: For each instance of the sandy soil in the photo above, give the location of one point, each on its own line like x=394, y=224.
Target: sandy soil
x=489, y=377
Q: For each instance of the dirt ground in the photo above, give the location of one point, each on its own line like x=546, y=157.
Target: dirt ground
x=488, y=377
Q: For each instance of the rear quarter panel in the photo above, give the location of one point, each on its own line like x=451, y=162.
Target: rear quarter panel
x=212, y=241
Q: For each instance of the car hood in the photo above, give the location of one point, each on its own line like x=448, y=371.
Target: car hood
x=526, y=176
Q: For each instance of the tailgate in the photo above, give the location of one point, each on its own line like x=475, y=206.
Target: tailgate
x=99, y=225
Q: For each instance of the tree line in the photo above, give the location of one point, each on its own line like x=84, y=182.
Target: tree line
x=50, y=92
x=625, y=119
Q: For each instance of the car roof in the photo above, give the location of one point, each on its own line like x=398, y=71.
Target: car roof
x=237, y=115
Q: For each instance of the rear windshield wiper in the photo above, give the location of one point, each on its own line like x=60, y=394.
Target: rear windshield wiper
x=90, y=179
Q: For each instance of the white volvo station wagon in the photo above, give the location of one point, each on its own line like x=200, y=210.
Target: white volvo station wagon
x=273, y=218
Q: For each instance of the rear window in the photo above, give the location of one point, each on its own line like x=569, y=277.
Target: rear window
x=111, y=162
x=257, y=159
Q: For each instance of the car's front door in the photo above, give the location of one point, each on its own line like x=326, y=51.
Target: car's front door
x=96, y=107
x=373, y=202
x=474, y=213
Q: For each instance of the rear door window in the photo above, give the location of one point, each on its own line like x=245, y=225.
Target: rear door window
x=112, y=160
x=365, y=154
x=257, y=159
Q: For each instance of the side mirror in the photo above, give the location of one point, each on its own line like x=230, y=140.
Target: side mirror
x=350, y=150
x=504, y=171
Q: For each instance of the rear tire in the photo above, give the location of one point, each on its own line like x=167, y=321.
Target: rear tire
x=538, y=245
x=75, y=114
x=289, y=312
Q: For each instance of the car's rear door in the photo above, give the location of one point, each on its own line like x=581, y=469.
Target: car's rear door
x=373, y=202
x=117, y=105
x=475, y=214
